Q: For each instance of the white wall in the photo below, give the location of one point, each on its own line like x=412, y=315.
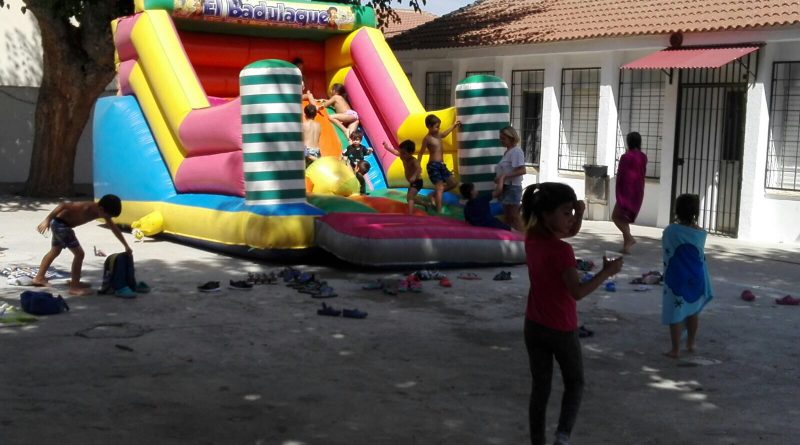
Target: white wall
x=20, y=76
x=21, y=51
x=764, y=214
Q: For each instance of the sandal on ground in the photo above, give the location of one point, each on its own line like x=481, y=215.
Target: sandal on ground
x=503, y=275
x=311, y=288
x=329, y=311
x=324, y=292
x=373, y=285
x=444, y=282
x=125, y=292
x=583, y=332
x=353, y=313
x=469, y=276
x=142, y=287
x=788, y=300
x=747, y=295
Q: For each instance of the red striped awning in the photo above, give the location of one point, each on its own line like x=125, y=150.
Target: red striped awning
x=713, y=57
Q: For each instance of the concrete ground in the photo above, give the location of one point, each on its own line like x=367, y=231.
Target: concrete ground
x=446, y=366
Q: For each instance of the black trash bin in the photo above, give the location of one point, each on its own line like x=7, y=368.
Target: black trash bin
x=596, y=183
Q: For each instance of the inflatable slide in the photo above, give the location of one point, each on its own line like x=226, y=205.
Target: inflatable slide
x=204, y=144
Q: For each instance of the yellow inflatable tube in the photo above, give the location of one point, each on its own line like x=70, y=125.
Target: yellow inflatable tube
x=230, y=228
x=168, y=144
x=166, y=68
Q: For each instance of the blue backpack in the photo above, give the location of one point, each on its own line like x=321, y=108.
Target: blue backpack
x=118, y=273
x=42, y=303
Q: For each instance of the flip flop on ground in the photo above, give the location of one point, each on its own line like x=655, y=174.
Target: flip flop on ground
x=788, y=300
x=329, y=311
x=747, y=295
x=469, y=276
x=353, y=313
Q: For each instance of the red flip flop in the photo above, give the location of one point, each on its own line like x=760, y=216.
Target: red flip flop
x=747, y=295
x=444, y=282
x=788, y=300
x=469, y=276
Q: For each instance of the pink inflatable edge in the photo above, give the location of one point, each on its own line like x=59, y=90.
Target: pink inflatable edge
x=395, y=226
x=124, y=77
x=122, y=38
x=212, y=130
x=371, y=68
x=370, y=120
x=218, y=173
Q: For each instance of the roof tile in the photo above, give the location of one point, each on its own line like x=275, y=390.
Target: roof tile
x=504, y=22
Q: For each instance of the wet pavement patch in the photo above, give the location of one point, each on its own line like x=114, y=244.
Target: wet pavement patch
x=113, y=330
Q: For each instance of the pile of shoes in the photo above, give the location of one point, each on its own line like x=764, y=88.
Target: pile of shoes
x=347, y=313
x=262, y=278
x=306, y=283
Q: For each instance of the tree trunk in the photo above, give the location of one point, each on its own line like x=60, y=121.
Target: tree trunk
x=78, y=64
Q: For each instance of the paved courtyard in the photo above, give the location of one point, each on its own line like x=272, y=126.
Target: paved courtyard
x=445, y=366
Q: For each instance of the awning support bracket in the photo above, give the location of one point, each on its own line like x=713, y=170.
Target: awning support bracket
x=746, y=67
x=668, y=73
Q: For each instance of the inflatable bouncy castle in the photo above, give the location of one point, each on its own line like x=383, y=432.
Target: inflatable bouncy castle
x=203, y=142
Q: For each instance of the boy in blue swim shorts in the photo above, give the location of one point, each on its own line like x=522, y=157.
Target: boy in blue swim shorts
x=438, y=173
x=61, y=221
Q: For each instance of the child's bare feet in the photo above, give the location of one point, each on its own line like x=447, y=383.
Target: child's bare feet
x=40, y=283
x=690, y=347
x=81, y=285
x=79, y=292
x=671, y=354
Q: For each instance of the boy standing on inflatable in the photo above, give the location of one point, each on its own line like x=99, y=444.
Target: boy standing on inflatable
x=440, y=176
x=411, y=167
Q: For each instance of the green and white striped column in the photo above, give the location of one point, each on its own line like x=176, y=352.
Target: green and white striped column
x=272, y=133
x=482, y=106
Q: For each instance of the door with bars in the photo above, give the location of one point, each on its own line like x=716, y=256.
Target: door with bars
x=710, y=143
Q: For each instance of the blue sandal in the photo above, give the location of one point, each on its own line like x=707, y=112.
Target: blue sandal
x=329, y=311
x=353, y=313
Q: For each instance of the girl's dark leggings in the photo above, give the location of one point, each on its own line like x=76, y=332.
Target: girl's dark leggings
x=543, y=345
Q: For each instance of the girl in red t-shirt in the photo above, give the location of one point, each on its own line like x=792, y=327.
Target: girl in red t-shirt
x=552, y=212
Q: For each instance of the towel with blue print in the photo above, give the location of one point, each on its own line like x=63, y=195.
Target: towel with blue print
x=687, y=286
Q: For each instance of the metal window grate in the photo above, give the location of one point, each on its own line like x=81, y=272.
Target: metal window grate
x=479, y=73
x=783, y=154
x=580, y=100
x=438, y=85
x=641, y=109
x=526, y=111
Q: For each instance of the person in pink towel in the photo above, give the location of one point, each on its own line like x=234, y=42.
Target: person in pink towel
x=629, y=189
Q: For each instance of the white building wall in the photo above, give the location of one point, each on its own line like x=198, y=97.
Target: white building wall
x=20, y=77
x=764, y=214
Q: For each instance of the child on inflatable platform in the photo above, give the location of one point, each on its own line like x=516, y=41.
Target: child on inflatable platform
x=477, y=211
x=438, y=173
x=355, y=152
x=345, y=117
x=411, y=168
x=362, y=168
x=61, y=221
x=552, y=213
x=311, y=134
x=305, y=94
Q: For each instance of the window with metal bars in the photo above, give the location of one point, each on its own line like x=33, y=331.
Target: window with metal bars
x=580, y=100
x=641, y=109
x=526, y=111
x=437, y=90
x=783, y=154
